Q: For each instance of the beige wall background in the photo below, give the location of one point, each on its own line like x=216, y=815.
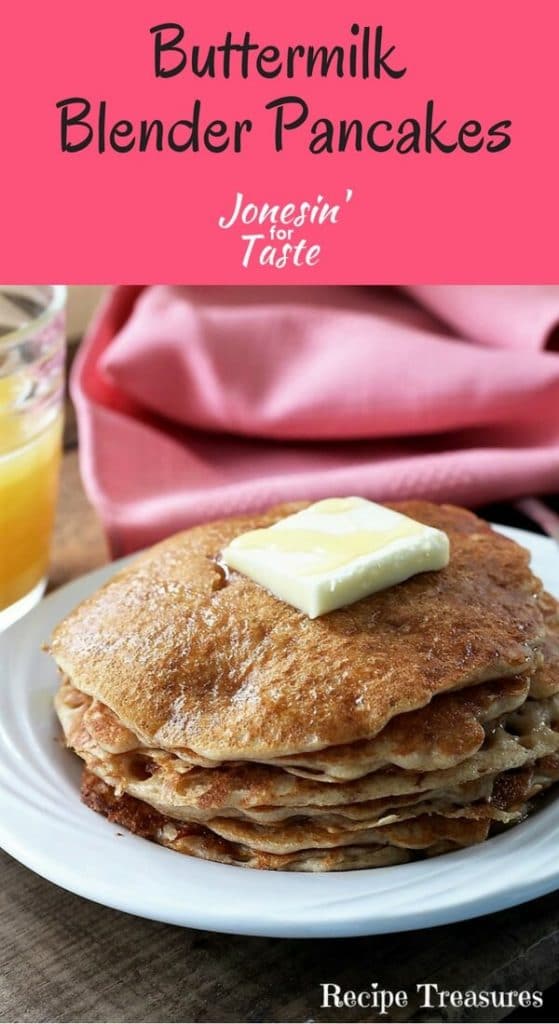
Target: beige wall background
x=82, y=301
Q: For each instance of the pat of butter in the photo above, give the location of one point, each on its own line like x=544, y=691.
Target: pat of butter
x=335, y=552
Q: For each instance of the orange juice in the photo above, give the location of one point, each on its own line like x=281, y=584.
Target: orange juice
x=28, y=488
x=31, y=392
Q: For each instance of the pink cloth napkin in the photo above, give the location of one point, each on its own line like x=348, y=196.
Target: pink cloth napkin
x=195, y=403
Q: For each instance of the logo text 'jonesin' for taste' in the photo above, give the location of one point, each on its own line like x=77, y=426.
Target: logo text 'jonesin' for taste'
x=273, y=239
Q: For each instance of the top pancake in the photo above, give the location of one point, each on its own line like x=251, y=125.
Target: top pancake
x=189, y=656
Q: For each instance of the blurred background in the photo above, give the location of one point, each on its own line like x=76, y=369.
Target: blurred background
x=79, y=543
x=183, y=404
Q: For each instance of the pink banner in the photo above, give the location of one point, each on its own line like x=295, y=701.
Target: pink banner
x=396, y=141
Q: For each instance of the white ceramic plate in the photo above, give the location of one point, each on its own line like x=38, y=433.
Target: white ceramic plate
x=44, y=825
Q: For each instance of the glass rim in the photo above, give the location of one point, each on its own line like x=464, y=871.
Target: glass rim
x=55, y=304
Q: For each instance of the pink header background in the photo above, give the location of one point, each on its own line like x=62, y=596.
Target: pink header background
x=153, y=217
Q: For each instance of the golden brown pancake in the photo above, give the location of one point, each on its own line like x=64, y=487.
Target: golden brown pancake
x=428, y=836
x=187, y=656
x=418, y=833
x=201, y=841
x=450, y=729
x=526, y=734
x=220, y=722
x=445, y=732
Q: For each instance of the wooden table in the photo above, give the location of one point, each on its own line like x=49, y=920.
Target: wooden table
x=63, y=958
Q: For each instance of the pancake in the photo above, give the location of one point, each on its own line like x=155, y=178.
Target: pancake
x=222, y=723
x=202, y=842
x=527, y=734
x=461, y=826
x=447, y=731
x=418, y=833
x=190, y=657
x=545, y=680
x=397, y=845
x=198, y=841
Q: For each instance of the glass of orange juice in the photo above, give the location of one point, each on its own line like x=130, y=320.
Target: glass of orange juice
x=32, y=341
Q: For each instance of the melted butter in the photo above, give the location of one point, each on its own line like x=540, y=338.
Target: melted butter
x=325, y=552
x=335, y=552
x=335, y=506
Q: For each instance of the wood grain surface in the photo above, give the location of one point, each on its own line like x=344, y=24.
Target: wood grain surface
x=63, y=958
x=78, y=544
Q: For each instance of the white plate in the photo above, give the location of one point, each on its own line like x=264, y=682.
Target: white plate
x=44, y=825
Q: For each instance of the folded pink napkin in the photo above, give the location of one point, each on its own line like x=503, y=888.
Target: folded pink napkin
x=195, y=403
x=503, y=315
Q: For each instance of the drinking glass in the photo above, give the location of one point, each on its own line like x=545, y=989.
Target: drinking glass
x=32, y=344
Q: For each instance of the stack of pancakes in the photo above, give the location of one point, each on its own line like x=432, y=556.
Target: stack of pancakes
x=221, y=722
